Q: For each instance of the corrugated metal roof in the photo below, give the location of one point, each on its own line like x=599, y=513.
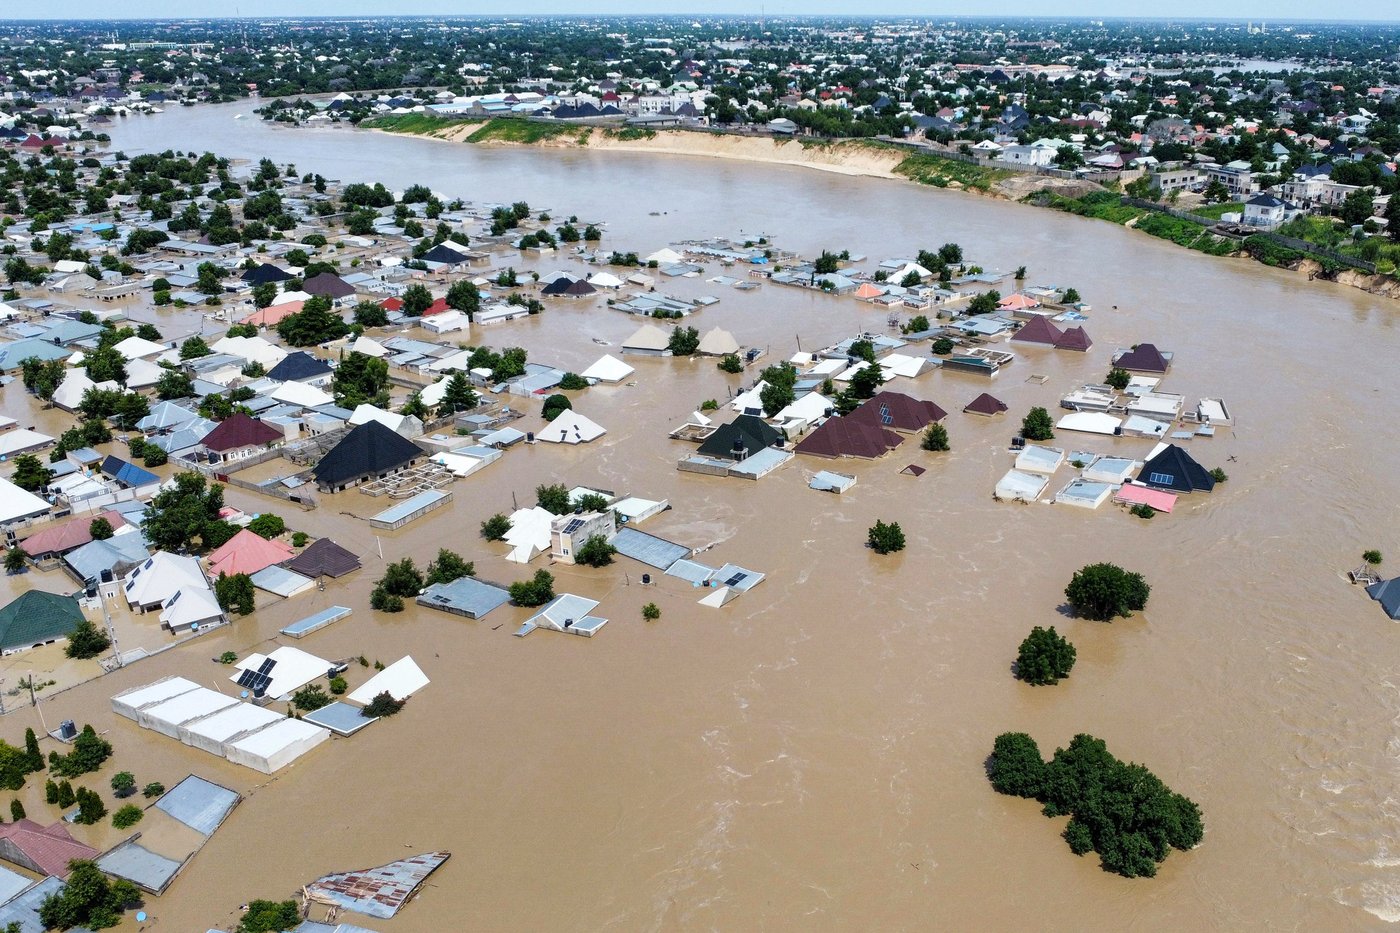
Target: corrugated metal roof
x=649, y=549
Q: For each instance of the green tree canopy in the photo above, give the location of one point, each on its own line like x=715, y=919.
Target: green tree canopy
x=1105, y=591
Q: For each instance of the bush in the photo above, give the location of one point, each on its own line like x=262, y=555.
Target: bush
x=554, y=499
x=235, y=593
x=299, y=538
x=269, y=917
x=90, y=750
x=1371, y=557
x=16, y=810
x=885, y=539
x=385, y=602
x=1118, y=378
x=88, y=900
x=595, y=552
x=1037, y=426
x=91, y=809
x=310, y=698
x=1122, y=811
x=153, y=789
x=50, y=792
x=1219, y=475
x=935, y=438
x=124, y=783
x=127, y=816
x=495, y=527
x=338, y=685
x=536, y=591
x=651, y=612
x=1045, y=657
x=554, y=405
x=382, y=705
x=572, y=382
x=730, y=363
x=267, y=526
x=1105, y=591
x=1143, y=510
x=66, y=797
x=943, y=346
x=153, y=456
x=1016, y=767
x=228, y=657
x=86, y=641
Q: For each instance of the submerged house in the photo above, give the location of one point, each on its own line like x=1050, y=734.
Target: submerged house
x=238, y=436
x=986, y=405
x=1174, y=469
x=741, y=438
x=898, y=412
x=849, y=437
x=370, y=451
x=37, y=618
x=1143, y=358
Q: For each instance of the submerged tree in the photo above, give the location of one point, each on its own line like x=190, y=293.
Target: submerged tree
x=1044, y=657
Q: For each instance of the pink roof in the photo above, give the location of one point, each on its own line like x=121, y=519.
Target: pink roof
x=60, y=539
x=272, y=315
x=1141, y=495
x=48, y=847
x=869, y=291
x=247, y=552
x=1017, y=302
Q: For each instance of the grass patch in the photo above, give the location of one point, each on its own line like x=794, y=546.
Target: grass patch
x=418, y=124
x=630, y=133
x=1105, y=205
x=1216, y=211
x=1101, y=205
x=929, y=169
x=515, y=130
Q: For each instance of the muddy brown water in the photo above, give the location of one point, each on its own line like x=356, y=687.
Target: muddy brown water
x=811, y=755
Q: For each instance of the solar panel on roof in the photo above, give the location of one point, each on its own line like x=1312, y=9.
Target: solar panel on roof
x=736, y=579
x=267, y=666
x=573, y=526
x=885, y=416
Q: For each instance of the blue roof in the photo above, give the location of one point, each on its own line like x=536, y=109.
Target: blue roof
x=340, y=718
x=12, y=354
x=320, y=620
x=134, y=862
x=128, y=474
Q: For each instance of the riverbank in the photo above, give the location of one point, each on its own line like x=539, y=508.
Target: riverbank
x=876, y=159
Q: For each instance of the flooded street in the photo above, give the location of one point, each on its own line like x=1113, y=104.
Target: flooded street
x=811, y=756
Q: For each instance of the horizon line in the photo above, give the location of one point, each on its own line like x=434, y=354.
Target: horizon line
x=853, y=17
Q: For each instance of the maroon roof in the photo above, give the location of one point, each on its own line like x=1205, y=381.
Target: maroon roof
x=1075, y=338
x=848, y=437
x=897, y=411
x=1144, y=358
x=47, y=849
x=1039, y=330
x=239, y=430
x=985, y=404
x=328, y=284
x=323, y=558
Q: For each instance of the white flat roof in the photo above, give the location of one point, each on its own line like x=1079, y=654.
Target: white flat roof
x=227, y=723
x=199, y=702
x=267, y=742
x=157, y=692
x=401, y=679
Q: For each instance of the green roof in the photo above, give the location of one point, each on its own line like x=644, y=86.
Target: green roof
x=37, y=617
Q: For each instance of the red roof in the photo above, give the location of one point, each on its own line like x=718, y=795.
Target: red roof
x=60, y=539
x=985, y=404
x=1039, y=330
x=1075, y=338
x=437, y=307
x=848, y=437
x=897, y=411
x=392, y=304
x=238, y=430
x=48, y=848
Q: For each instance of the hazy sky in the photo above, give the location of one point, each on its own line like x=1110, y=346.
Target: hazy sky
x=1276, y=10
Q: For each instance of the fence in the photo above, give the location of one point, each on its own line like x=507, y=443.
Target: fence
x=1163, y=209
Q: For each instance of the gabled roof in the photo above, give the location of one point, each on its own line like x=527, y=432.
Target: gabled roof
x=442, y=253
x=247, y=552
x=323, y=557
x=59, y=539
x=753, y=433
x=368, y=449
x=558, y=287
x=239, y=430
x=1175, y=469
x=299, y=365
x=897, y=411
x=985, y=404
x=1144, y=358
x=328, y=284
x=35, y=617
x=847, y=437
x=50, y=848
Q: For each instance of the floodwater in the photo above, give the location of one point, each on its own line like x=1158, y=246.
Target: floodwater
x=811, y=756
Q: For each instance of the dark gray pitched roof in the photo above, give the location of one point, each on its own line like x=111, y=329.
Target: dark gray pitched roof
x=299, y=365
x=1175, y=469
x=369, y=449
